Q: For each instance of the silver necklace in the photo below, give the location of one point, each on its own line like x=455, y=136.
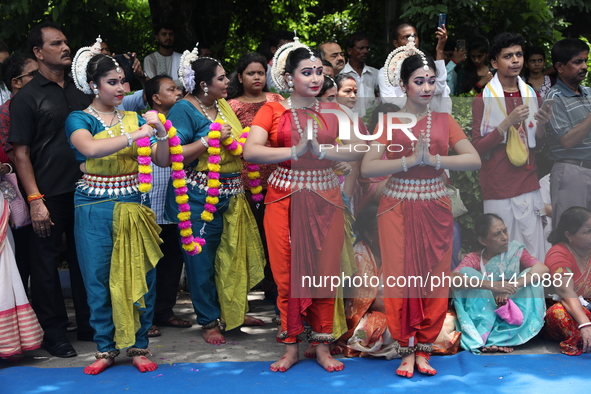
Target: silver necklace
x=95, y=113
x=217, y=107
x=314, y=107
x=425, y=134
x=102, y=113
x=203, y=106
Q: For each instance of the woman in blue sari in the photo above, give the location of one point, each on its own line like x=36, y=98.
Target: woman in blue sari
x=232, y=259
x=497, y=305
x=116, y=232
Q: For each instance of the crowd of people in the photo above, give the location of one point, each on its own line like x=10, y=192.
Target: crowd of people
x=300, y=167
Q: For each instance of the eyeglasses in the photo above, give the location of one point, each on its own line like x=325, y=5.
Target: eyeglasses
x=29, y=74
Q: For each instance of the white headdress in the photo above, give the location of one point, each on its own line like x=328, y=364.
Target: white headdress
x=80, y=63
x=280, y=58
x=186, y=73
x=395, y=59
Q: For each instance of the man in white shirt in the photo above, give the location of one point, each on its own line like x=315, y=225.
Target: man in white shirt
x=164, y=60
x=389, y=94
x=366, y=77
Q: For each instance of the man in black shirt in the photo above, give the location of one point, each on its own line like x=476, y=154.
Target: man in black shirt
x=48, y=172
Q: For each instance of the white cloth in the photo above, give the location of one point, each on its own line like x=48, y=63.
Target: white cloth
x=367, y=87
x=493, y=115
x=545, y=190
x=523, y=217
x=441, y=101
x=155, y=64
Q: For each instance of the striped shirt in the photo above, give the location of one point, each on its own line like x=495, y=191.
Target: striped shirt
x=160, y=178
x=569, y=110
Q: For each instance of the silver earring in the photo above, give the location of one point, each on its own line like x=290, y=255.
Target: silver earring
x=95, y=91
x=290, y=83
x=205, y=89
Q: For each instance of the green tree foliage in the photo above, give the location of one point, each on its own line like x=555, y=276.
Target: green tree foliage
x=123, y=24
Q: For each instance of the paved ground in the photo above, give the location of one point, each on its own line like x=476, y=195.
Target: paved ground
x=185, y=345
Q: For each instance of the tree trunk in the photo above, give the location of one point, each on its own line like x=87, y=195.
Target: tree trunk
x=195, y=21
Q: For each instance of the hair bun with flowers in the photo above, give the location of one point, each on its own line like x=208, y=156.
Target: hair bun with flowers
x=395, y=59
x=280, y=58
x=80, y=63
x=186, y=73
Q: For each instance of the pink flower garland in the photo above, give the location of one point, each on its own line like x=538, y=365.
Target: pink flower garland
x=190, y=244
x=144, y=160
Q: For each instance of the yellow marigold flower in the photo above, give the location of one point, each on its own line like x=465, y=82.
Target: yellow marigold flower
x=179, y=183
x=145, y=169
x=186, y=232
x=256, y=190
x=184, y=216
x=213, y=183
x=213, y=151
x=237, y=151
x=176, y=150
x=214, y=167
x=207, y=216
x=254, y=175
x=212, y=200
x=144, y=187
x=162, y=117
x=177, y=166
x=214, y=134
x=182, y=199
x=145, y=151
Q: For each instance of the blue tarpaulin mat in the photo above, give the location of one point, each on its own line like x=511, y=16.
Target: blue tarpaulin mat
x=462, y=373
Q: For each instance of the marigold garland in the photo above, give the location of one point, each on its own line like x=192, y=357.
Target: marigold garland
x=191, y=245
x=144, y=160
x=254, y=176
x=235, y=147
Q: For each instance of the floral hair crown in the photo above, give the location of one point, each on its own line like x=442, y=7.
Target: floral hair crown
x=397, y=56
x=186, y=72
x=280, y=58
x=80, y=63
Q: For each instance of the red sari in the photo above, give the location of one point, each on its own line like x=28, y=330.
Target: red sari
x=416, y=227
x=560, y=326
x=304, y=224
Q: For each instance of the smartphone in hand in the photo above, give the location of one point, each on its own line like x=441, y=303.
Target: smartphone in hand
x=547, y=104
x=442, y=20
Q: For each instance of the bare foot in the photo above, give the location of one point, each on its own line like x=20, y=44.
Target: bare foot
x=144, y=364
x=290, y=357
x=423, y=366
x=99, y=366
x=213, y=336
x=490, y=349
x=325, y=359
x=505, y=349
x=310, y=352
x=407, y=366
x=335, y=348
x=252, y=321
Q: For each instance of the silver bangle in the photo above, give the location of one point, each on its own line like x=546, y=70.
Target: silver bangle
x=204, y=142
x=404, y=167
x=164, y=138
x=294, y=154
x=322, y=154
x=438, y=166
x=9, y=166
x=129, y=138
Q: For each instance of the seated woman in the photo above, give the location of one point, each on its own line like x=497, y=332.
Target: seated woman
x=497, y=304
x=368, y=333
x=569, y=261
